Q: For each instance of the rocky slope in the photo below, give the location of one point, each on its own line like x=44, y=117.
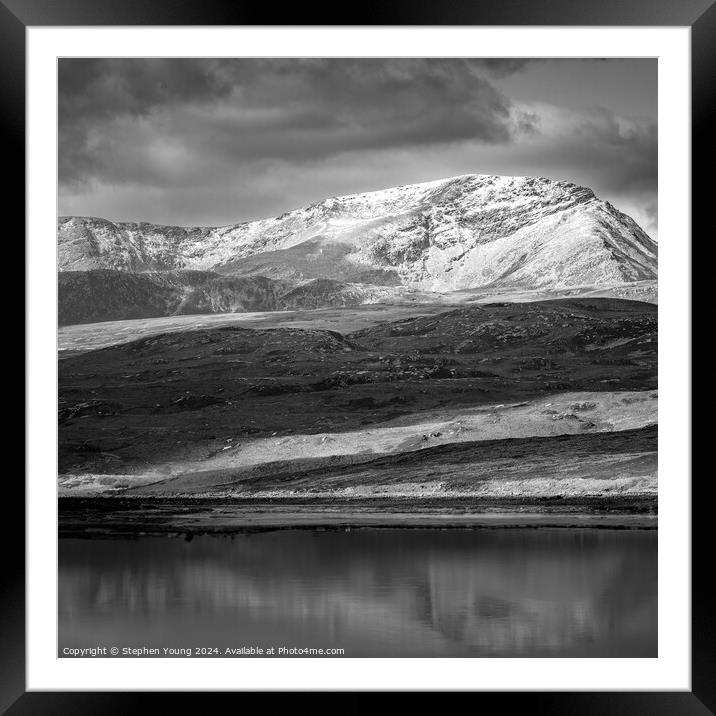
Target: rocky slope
x=457, y=233
x=109, y=295
x=106, y=295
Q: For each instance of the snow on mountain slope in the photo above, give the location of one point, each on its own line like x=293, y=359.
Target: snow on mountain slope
x=463, y=232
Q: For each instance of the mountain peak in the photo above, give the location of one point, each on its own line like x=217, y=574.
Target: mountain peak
x=467, y=231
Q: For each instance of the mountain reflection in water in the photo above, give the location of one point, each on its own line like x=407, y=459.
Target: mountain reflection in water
x=398, y=592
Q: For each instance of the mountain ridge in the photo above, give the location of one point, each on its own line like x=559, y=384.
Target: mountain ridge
x=462, y=232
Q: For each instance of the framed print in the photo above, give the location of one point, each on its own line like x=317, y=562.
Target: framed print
x=358, y=354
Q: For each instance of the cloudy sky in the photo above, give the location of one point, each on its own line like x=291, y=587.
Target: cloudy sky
x=218, y=141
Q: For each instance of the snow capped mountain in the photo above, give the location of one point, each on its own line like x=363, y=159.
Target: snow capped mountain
x=463, y=232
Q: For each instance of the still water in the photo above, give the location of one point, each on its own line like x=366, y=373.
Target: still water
x=373, y=593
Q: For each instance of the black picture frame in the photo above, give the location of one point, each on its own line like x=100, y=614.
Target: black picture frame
x=17, y=15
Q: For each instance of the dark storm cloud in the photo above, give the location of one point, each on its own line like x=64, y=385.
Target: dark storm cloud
x=501, y=67
x=92, y=88
x=624, y=152
x=163, y=121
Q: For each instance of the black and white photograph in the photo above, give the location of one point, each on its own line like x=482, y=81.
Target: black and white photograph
x=357, y=357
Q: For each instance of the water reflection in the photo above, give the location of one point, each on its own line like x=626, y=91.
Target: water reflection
x=371, y=592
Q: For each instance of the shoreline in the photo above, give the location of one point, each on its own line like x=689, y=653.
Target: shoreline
x=134, y=516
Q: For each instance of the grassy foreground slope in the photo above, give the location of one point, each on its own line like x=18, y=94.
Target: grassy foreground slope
x=445, y=399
